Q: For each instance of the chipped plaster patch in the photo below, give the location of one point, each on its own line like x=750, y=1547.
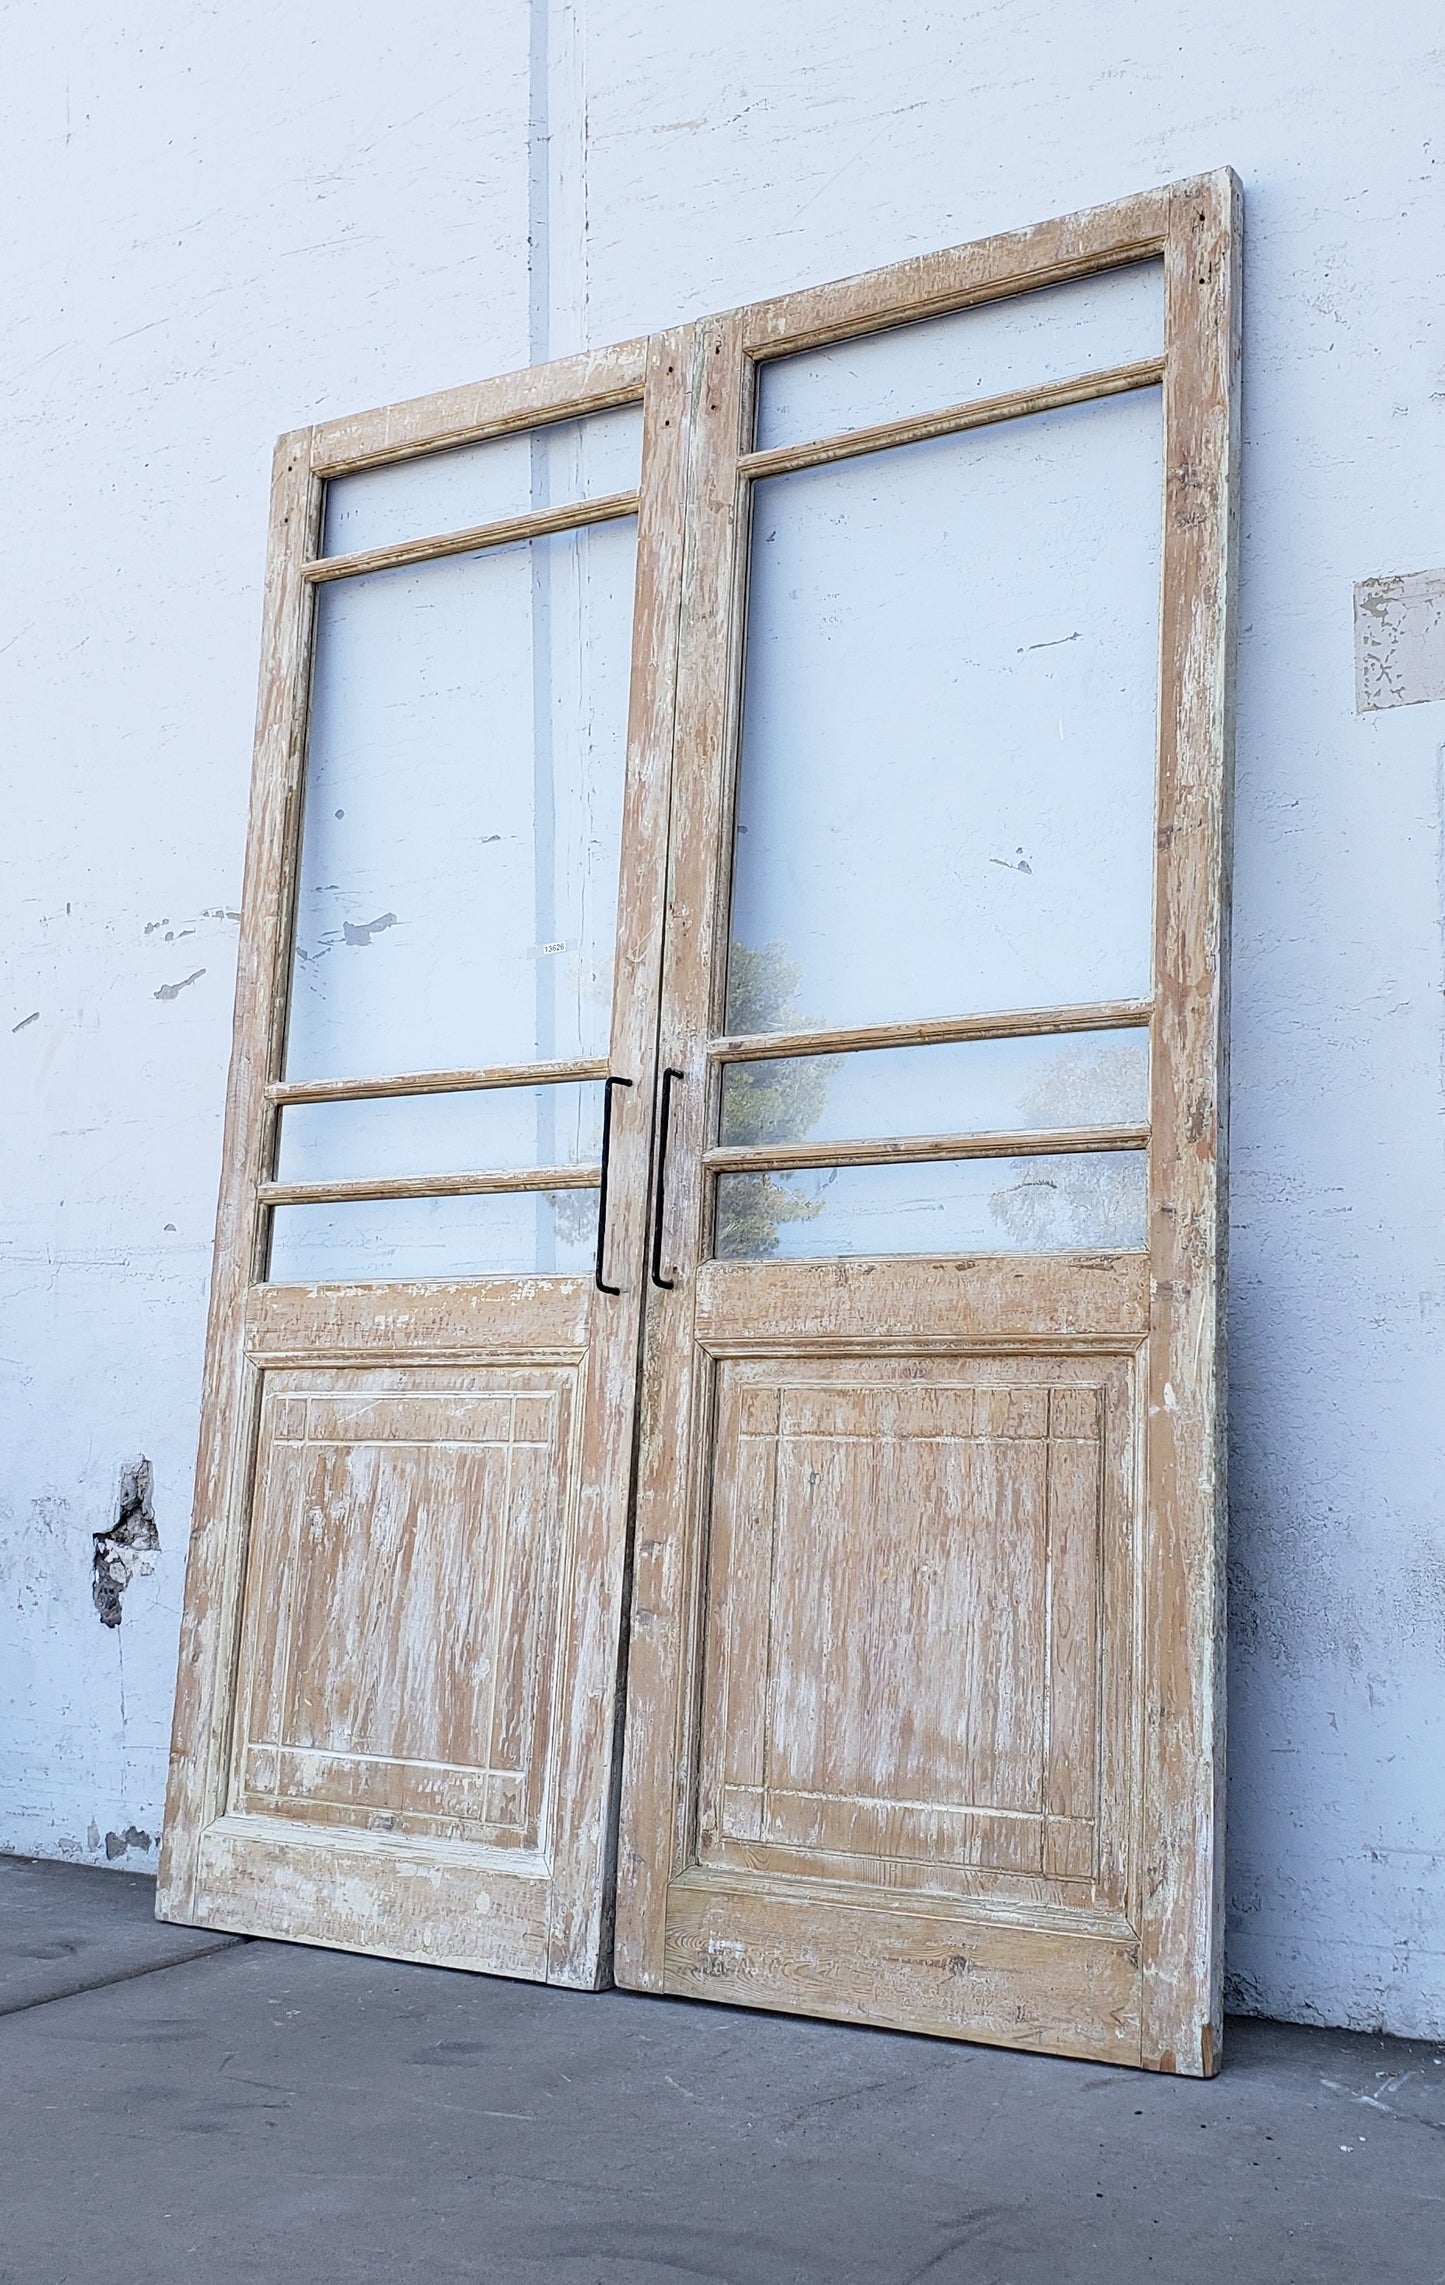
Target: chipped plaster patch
x=1399, y=641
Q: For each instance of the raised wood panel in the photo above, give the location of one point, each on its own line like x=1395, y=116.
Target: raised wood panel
x=918, y=1621
x=400, y=1624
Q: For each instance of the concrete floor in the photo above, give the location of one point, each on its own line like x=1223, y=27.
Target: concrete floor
x=294, y=2117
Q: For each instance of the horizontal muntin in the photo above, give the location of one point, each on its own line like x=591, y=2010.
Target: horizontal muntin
x=952, y=420
x=891, y=1150
x=933, y=1031
x=435, y=1082
x=510, y=1179
x=541, y=523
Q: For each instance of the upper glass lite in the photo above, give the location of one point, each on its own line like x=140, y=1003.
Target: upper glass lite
x=1089, y=325
x=471, y=484
x=946, y=776
x=457, y=899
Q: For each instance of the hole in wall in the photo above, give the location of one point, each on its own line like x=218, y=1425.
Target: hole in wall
x=130, y=1545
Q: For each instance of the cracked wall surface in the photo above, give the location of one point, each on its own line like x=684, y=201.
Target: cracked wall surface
x=208, y=248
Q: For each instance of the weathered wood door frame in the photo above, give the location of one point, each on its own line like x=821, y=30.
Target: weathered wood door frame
x=1166, y=1316
x=1140, y=1985
x=544, y=1911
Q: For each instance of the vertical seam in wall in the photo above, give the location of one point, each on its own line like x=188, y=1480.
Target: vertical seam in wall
x=1440, y=898
x=557, y=193
x=556, y=323
x=538, y=181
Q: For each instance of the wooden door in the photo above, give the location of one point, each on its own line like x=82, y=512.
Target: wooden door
x=924, y=1709
x=399, y=1669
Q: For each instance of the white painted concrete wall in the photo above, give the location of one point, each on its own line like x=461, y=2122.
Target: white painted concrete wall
x=228, y=221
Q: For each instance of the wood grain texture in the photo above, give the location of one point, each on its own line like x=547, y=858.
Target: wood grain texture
x=585, y=1815
x=938, y=1969
x=994, y=1300
x=663, y=1616
x=365, y=1892
x=902, y=1664
x=436, y=1321
x=200, y=1727
x=1183, y=1777
x=398, y=1672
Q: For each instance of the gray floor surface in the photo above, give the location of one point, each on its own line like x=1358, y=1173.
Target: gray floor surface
x=270, y=2112
x=66, y=1929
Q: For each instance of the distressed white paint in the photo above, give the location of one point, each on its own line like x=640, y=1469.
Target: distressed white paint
x=225, y=223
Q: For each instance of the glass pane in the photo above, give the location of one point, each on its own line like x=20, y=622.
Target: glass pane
x=442, y=1134
x=437, y=492
x=980, y=1086
x=946, y=778
x=502, y=1234
x=1084, y=327
x=1094, y=1201
x=458, y=887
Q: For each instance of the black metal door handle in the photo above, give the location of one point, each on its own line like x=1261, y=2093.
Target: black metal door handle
x=602, y=1285
x=664, y=1118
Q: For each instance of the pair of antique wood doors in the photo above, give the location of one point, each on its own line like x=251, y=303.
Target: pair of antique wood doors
x=712, y=1410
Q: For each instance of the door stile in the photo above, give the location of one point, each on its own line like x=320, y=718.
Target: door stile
x=1183, y=1685
x=670, y=1485
x=200, y=1741
x=588, y=1720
